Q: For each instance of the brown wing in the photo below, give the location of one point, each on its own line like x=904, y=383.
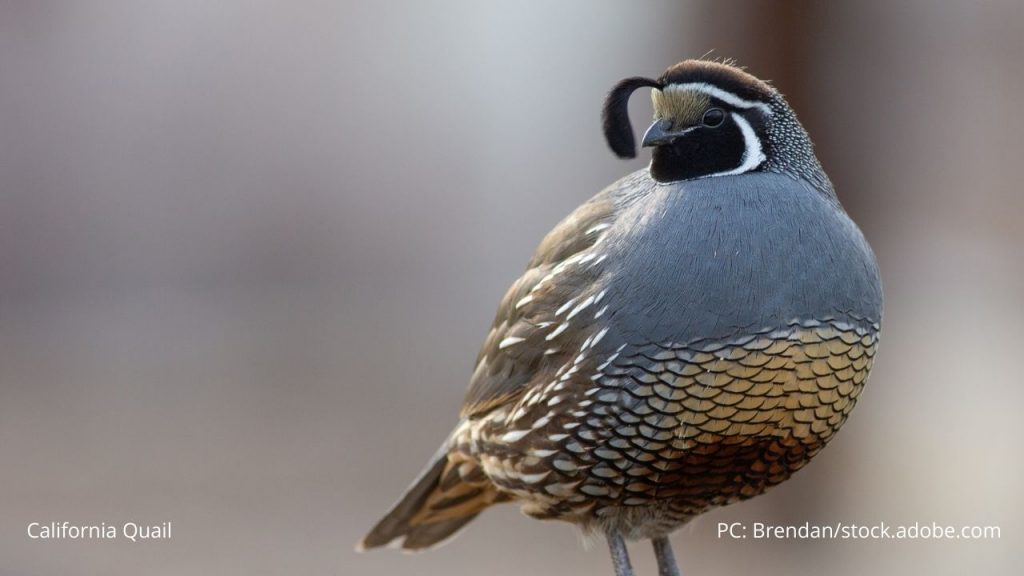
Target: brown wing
x=525, y=343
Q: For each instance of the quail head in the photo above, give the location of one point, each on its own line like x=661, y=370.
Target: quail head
x=687, y=338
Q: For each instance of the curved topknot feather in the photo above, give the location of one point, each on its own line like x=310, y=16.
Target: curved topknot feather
x=615, y=116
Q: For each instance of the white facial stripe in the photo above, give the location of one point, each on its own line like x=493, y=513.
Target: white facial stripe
x=753, y=155
x=723, y=95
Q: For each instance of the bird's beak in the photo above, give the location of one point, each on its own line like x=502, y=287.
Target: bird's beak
x=661, y=133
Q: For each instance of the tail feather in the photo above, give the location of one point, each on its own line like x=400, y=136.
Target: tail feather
x=429, y=535
x=437, y=504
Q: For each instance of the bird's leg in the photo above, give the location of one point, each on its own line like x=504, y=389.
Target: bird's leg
x=666, y=559
x=620, y=556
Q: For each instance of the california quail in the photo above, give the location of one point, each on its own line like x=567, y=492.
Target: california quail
x=687, y=338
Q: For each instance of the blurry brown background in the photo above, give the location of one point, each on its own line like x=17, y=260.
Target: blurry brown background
x=248, y=251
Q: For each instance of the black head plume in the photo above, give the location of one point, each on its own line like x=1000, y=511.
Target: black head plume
x=615, y=116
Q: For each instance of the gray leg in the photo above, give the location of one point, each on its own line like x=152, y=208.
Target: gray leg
x=666, y=560
x=620, y=556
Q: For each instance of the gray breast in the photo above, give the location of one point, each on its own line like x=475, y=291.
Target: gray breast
x=708, y=258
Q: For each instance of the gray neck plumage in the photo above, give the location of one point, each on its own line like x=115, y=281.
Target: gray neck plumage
x=790, y=150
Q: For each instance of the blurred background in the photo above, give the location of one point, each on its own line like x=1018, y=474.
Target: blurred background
x=248, y=251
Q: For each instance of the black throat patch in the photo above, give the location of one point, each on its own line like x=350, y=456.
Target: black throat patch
x=703, y=152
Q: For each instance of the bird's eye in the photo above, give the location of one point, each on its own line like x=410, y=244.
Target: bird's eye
x=713, y=118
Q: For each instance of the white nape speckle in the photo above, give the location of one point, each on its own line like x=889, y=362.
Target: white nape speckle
x=597, y=228
x=524, y=301
x=599, y=336
x=554, y=400
x=601, y=312
x=514, y=436
x=542, y=453
x=558, y=437
x=551, y=351
x=509, y=342
x=599, y=296
x=561, y=328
